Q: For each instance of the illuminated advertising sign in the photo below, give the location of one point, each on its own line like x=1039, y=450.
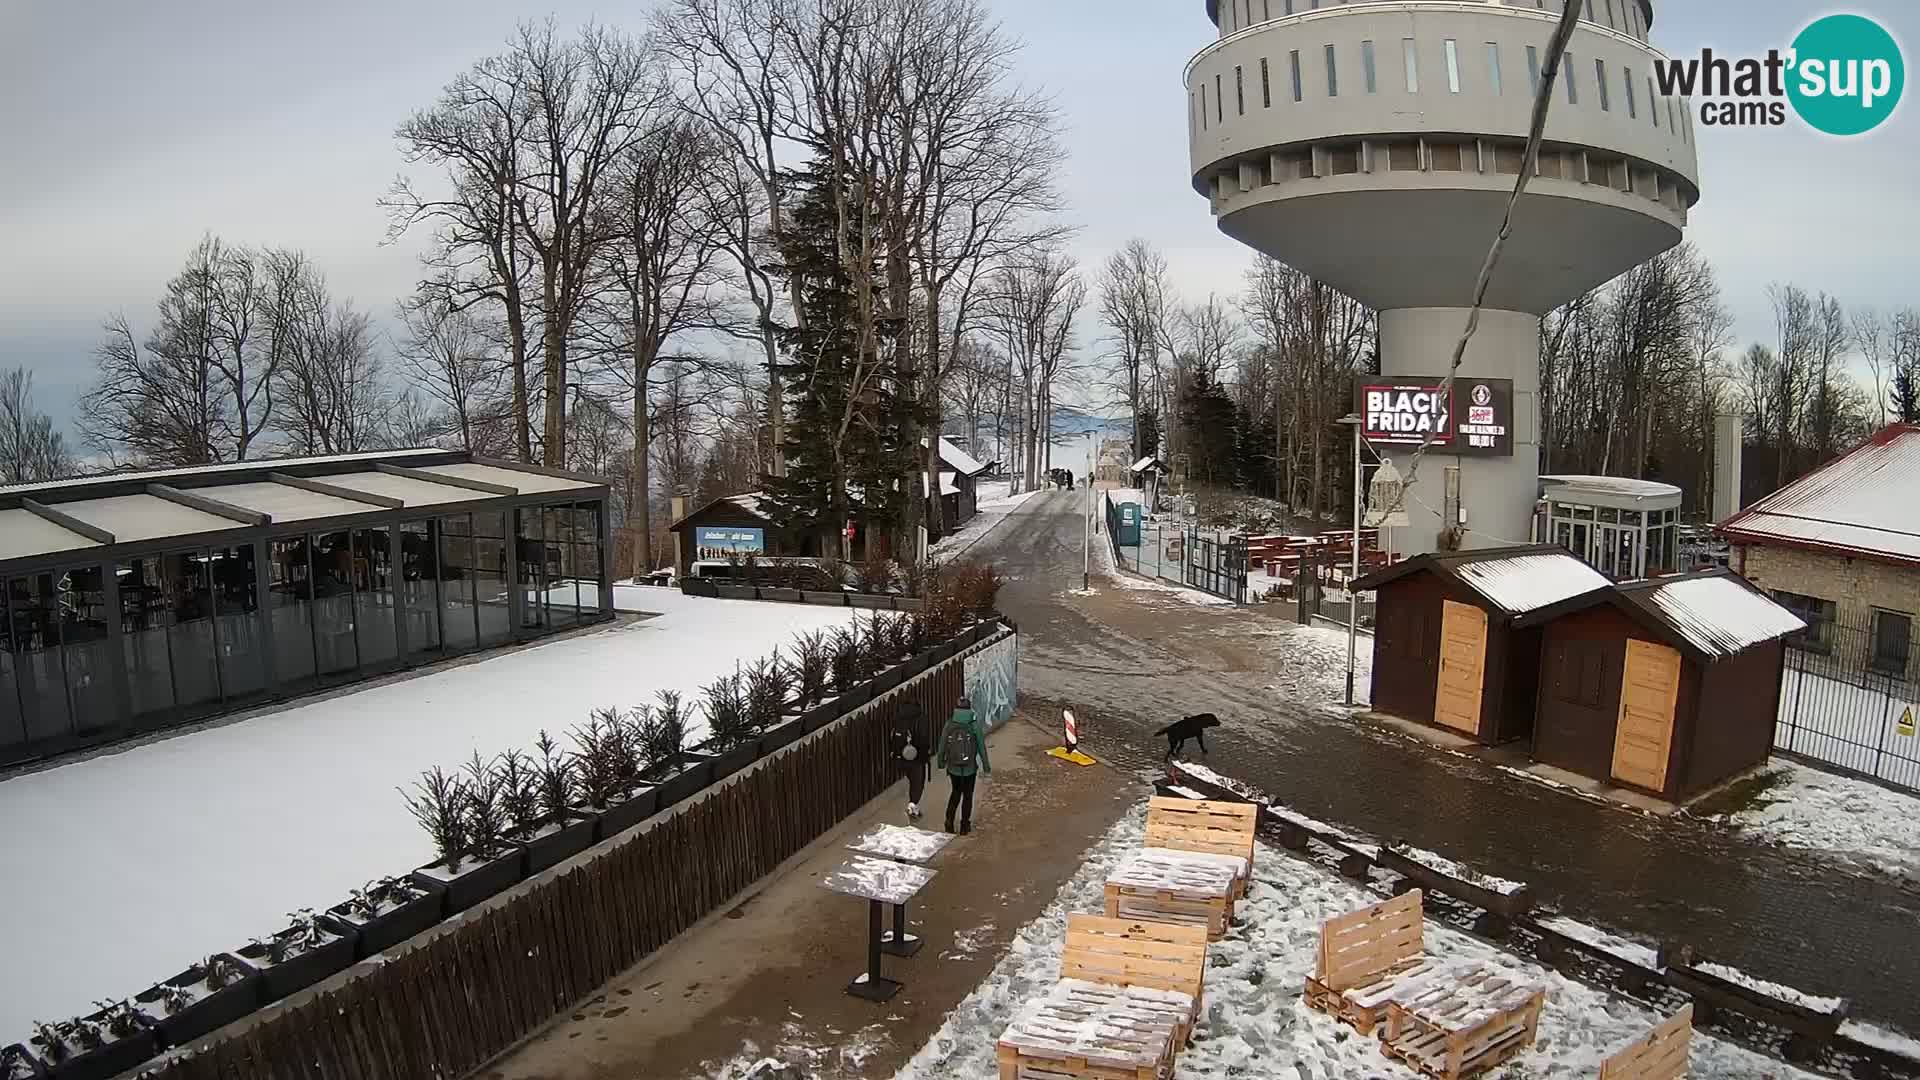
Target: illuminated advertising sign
x=1409, y=410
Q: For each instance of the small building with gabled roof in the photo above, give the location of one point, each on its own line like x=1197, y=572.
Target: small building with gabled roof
x=1446, y=647
x=1669, y=685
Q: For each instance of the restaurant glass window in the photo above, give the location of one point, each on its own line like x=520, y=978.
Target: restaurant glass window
x=455, y=566
x=373, y=596
x=33, y=609
x=587, y=557
x=563, y=581
x=291, y=607
x=144, y=618
x=236, y=600
x=490, y=576
x=420, y=585
x=82, y=596
x=13, y=728
x=1626, y=545
x=533, y=568
x=333, y=625
x=187, y=589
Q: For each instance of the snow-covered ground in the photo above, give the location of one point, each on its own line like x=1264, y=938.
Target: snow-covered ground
x=128, y=866
x=994, y=504
x=1254, y=1021
x=1853, y=819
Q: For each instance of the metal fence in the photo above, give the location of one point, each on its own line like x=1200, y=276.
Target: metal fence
x=1850, y=698
x=1209, y=560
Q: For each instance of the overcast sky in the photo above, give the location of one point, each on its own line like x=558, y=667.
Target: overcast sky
x=128, y=128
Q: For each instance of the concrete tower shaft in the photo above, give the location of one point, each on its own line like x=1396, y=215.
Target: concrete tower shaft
x=1374, y=145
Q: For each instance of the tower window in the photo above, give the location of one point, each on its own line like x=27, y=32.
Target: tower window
x=1600, y=82
x=1573, y=92
x=1533, y=69
x=1653, y=103
x=1239, y=92
x=1413, y=65
x=1366, y=64
x=1633, y=110
x=1493, y=67
x=1453, y=67
x=1294, y=57
x=1333, y=80
x=1219, y=106
x=1266, y=86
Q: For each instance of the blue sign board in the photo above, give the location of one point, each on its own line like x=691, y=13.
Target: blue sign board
x=728, y=541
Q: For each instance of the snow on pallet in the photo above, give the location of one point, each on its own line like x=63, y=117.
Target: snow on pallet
x=1255, y=1024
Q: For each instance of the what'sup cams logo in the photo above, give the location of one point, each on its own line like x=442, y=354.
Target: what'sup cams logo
x=1843, y=75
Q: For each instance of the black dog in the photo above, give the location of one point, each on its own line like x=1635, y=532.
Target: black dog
x=1192, y=727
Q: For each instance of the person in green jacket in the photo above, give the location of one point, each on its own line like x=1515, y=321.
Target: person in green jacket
x=963, y=754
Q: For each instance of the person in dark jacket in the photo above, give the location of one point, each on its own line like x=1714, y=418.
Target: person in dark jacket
x=963, y=754
x=912, y=754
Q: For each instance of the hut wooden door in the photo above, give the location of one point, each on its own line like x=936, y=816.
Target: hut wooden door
x=1463, y=667
x=1643, y=737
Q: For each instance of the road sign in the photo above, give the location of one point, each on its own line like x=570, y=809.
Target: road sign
x=1906, y=725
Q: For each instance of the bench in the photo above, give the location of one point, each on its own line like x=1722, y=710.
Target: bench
x=1093, y=1031
x=1365, y=956
x=1208, y=827
x=1183, y=888
x=1136, y=953
x=1465, y=1018
x=1660, y=1054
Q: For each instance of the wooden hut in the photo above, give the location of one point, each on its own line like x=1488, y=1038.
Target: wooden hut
x=1445, y=647
x=1669, y=685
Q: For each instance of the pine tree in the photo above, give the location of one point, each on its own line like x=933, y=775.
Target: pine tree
x=846, y=449
x=1906, y=396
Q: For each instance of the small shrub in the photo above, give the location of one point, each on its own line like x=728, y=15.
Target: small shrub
x=519, y=791
x=919, y=634
x=915, y=575
x=876, y=641
x=486, y=809
x=769, y=682
x=439, y=803
x=834, y=571
x=726, y=705
x=554, y=782
x=979, y=586
x=52, y=1039
x=119, y=1019
x=811, y=666
x=302, y=935
x=217, y=972
x=666, y=733
x=171, y=998
x=876, y=576
x=597, y=748
x=843, y=663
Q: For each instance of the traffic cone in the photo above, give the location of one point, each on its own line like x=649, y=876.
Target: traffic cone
x=1070, y=751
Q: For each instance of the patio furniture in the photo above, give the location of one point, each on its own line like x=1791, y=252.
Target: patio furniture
x=1091, y=1030
x=1178, y=887
x=902, y=844
x=877, y=881
x=1364, y=955
x=1660, y=1054
x=1221, y=829
x=1464, y=1018
x=1135, y=953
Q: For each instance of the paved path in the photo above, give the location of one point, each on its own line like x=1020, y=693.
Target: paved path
x=1130, y=661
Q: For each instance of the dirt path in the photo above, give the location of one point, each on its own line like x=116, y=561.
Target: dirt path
x=767, y=976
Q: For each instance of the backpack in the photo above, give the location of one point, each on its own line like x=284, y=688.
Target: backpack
x=960, y=745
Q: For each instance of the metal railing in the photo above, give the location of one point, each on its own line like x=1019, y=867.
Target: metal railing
x=1210, y=560
x=1850, y=698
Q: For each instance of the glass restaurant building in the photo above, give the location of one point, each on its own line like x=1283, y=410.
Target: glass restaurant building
x=137, y=601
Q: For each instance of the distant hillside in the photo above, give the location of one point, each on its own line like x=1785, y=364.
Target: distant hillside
x=1069, y=422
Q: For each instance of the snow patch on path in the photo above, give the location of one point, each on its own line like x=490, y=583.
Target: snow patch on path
x=1254, y=1023
x=1854, y=819
x=993, y=506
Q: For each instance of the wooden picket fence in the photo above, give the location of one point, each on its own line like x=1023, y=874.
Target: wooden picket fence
x=454, y=998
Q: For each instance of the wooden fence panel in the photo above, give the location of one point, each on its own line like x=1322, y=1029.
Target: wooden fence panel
x=477, y=985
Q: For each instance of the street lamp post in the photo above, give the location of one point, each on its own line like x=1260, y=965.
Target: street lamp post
x=1352, y=420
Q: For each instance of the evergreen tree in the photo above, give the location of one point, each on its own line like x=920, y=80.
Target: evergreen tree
x=846, y=447
x=1208, y=416
x=1147, y=433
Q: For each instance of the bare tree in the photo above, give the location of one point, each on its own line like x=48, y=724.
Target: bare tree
x=1832, y=336
x=333, y=393
x=31, y=449
x=1870, y=336
x=1795, y=326
x=454, y=360
x=1134, y=289
x=1032, y=303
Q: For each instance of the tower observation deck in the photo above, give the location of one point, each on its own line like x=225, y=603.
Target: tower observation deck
x=1374, y=145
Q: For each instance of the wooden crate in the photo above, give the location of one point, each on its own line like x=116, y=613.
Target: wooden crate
x=1661, y=1054
x=1363, y=956
x=1211, y=913
x=1453, y=1055
x=1134, y=952
x=1206, y=826
x=1017, y=1066
x=1084, y=1029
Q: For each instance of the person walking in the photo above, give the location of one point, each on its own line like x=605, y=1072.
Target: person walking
x=963, y=754
x=911, y=754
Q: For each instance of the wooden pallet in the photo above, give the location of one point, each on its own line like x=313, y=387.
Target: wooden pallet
x=1661, y=1054
x=1137, y=953
x=1364, y=955
x=1084, y=1029
x=1209, y=913
x=1455, y=1056
x=1158, y=885
x=1206, y=826
x=1465, y=1019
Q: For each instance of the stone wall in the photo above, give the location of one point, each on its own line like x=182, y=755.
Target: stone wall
x=1856, y=586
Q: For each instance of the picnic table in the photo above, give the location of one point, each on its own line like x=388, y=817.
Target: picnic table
x=902, y=844
x=877, y=881
x=1087, y=1028
x=1164, y=885
x=1462, y=1017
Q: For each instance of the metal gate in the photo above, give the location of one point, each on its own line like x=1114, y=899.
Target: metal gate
x=1217, y=567
x=1851, y=699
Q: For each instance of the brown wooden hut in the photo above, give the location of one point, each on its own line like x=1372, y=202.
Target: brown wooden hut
x=1445, y=648
x=1669, y=685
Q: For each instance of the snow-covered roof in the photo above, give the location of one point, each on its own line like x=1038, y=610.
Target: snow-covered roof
x=1569, y=484
x=947, y=485
x=961, y=461
x=1719, y=614
x=1522, y=583
x=1858, y=504
x=159, y=476
x=1144, y=463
